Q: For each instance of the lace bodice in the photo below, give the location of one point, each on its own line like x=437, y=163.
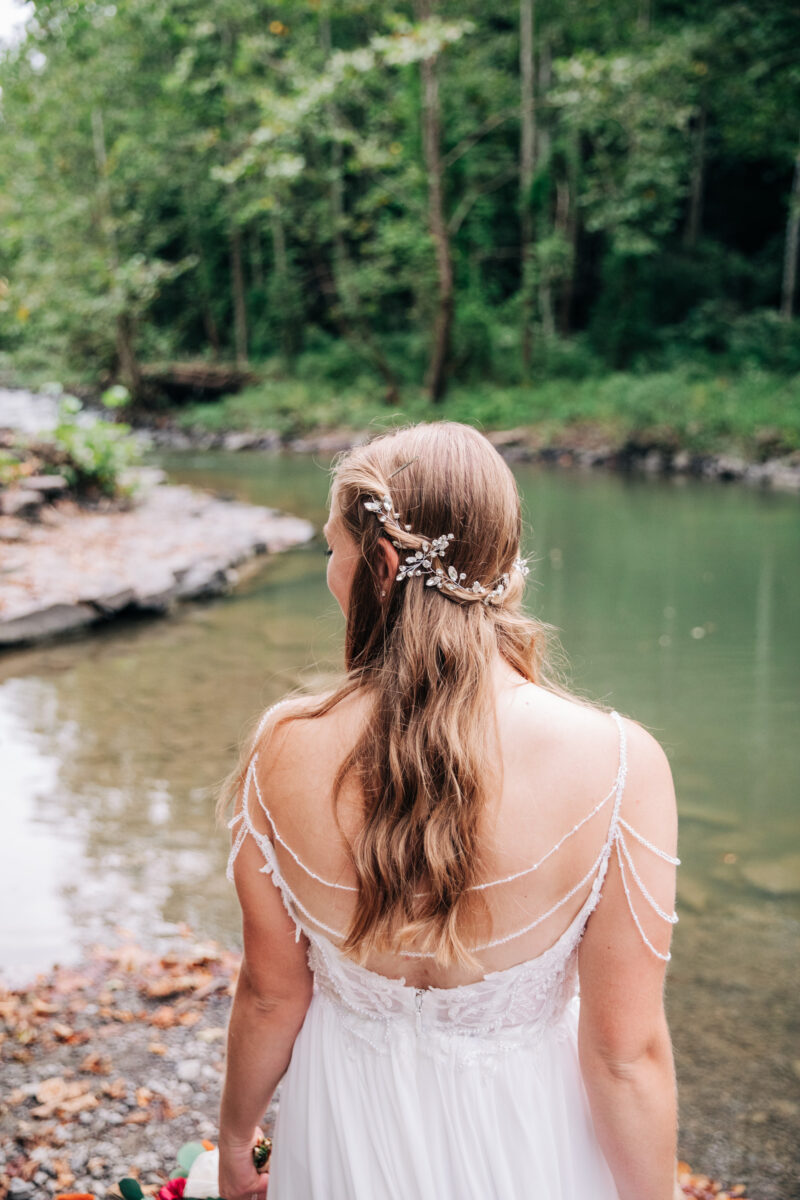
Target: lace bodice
x=506, y=1006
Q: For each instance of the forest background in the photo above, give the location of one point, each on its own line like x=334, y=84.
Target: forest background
x=584, y=210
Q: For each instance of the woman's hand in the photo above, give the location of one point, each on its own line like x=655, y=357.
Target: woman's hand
x=238, y=1177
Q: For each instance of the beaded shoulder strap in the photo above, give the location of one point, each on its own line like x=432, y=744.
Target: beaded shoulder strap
x=615, y=839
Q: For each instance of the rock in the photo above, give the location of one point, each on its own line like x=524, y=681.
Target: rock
x=20, y=1187
x=46, y=622
x=48, y=485
x=681, y=461
x=209, y=578
x=239, y=440
x=509, y=437
x=13, y=530
x=19, y=502
x=142, y=477
x=114, y=602
x=730, y=467
x=79, y=1158
x=189, y=1070
x=785, y=478
x=776, y=876
x=653, y=462
x=330, y=443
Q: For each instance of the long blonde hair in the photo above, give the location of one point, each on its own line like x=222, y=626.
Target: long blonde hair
x=425, y=759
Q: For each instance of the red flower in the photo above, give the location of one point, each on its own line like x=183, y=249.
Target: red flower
x=173, y=1190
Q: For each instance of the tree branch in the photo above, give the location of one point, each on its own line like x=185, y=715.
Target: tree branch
x=457, y=219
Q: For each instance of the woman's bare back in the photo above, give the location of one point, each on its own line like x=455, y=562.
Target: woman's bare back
x=559, y=761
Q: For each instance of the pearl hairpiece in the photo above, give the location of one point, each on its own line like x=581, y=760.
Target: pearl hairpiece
x=421, y=561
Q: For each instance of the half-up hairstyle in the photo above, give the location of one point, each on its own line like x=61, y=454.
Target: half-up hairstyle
x=427, y=756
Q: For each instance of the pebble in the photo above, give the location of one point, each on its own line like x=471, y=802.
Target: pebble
x=79, y=1158
x=779, y=876
x=189, y=1070
x=20, y=1187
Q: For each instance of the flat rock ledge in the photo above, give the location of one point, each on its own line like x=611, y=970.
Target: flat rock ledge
x=73, y=568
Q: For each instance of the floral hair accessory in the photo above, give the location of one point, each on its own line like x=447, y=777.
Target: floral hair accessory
x=421, y=562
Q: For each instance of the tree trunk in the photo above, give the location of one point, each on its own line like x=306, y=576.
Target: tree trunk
x=280, y=259
x=792, y=241
x=527, y=166
x=545, y=288
x=203, y=275
x=237, y=286
x=570, y=232
x=124, y=322
x=436, y=376
x=696, y=184
x=352, y=325
x=256, y=256
x=644, y=16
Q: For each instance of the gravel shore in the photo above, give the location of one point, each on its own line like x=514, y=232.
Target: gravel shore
x=110, y=1067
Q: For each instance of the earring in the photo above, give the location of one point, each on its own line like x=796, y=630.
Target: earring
x=383, y=591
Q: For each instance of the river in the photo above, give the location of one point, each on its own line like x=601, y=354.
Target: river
x=677, y=602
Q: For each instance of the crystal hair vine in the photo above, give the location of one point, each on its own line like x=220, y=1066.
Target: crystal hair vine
x=420, y=562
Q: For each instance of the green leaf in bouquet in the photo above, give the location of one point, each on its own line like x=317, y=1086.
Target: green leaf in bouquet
x=188, y=1153
x=178, y=1173
x=131, y=1189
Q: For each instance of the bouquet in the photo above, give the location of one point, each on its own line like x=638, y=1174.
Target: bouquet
x=196, y=1176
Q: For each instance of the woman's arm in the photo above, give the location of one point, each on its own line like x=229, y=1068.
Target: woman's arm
x=272, y=996
x=623, y=1040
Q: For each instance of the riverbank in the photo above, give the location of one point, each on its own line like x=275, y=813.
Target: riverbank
x=110, y=1066
x=68, y=566
x=744, y=428
x=584, y=447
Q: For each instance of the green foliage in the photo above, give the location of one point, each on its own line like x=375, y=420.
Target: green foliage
x=698, y=408
x=213, y=181
x=97, y=451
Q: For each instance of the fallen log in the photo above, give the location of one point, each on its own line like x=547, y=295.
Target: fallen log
x=182, y=382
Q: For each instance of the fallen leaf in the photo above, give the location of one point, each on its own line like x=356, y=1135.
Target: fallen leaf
x=164, y=1017
x=173, y=985
x=116, y=1089
x=43, y=1008
x=140, y=1117
x=96, y=1063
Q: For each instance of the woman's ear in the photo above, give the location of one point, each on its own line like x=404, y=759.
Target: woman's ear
x=387, y=561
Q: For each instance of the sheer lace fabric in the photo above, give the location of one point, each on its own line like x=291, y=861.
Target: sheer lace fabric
x=379, y=1064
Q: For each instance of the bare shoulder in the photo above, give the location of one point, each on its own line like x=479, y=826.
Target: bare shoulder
x=299, y=746
x=550, y=726
x=580, y=740
x=648, y=800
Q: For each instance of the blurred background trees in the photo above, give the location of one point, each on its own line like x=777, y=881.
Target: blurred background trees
x=414, y=193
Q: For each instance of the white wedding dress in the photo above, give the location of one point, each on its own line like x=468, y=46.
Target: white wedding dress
x=463, y=1093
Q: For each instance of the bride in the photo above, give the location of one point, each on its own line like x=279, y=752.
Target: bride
x=456, y=880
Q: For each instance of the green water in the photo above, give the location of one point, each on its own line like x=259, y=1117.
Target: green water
x=677, y=604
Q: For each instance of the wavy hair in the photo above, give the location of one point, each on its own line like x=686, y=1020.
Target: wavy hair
x=427, y=757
